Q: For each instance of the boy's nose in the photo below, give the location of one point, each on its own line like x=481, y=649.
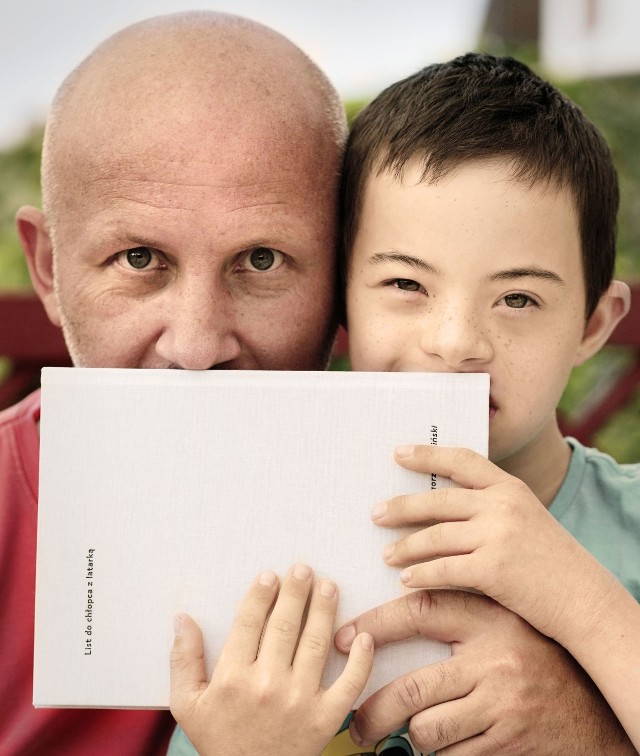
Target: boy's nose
x=457, y=339
x=198, y=328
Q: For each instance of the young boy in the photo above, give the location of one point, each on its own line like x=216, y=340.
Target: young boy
x=480, y=210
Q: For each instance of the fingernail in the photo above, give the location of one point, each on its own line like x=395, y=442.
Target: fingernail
x=302, y=571
x=355, y=735
x=366, y=641
x=404, y=451
x=177, y=625
x=388, y=550
x=328, y=588
x=345, y=636
x=380, y=510
x=405, y=576
x=268, y=578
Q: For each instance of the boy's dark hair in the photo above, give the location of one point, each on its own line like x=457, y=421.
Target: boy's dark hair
x=477, y=107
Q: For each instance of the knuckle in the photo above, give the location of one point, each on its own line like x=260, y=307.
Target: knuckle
x=379, y=618
x=419, y=604
x=446, y=566
x=436, y=535
x=440, y=733
x=248, y=624
x=513, y=494
x=352, y=684
x=282, y=627
x=409, y=694
x=315, y=643
x=443, y=495
x=444, y=677
x=461, y=457
x=264, y=689
x=177, y=661
x=228, y=684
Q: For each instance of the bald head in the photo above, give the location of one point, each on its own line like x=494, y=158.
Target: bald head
x=166, y=82
x=190, y=185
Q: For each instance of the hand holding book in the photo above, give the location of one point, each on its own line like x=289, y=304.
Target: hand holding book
x=265, y=695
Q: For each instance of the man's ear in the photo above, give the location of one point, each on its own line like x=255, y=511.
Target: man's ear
x=38, y=251
x=613, y=306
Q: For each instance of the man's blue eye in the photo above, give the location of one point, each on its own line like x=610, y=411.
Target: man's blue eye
x=139, y=257
x=262, y=258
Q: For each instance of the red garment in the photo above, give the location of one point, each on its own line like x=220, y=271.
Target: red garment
x=25, y=731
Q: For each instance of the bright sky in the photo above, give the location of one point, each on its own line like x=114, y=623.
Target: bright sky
x=362, y=45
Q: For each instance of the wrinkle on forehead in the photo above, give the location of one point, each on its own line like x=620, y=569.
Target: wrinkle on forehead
x=185, y=186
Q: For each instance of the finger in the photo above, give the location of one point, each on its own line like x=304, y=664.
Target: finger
x=187, y=673
x=425, y=508
x=445, y=615
x=341, y=697
x=442, y=539
x=390, y=707
x=454, y=721
x=463, y=466
x=443, y=572
x=283, y=626
x=244, y=639
x=315, y=640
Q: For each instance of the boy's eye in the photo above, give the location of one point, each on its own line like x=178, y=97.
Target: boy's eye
x=406, y=284
x=261, y=259
x=518, y=301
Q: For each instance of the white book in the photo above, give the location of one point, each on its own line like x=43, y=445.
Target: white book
x=166, y=491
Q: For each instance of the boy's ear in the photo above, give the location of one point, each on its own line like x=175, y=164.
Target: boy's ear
x=38, y=251
x=613, y=306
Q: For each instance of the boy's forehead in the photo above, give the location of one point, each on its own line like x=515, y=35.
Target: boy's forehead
x=475, y=180
x=483, y=204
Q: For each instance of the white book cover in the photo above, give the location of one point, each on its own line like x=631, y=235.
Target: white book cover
x=164, y=491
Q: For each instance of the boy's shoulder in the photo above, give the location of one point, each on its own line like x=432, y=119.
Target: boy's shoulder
x=592, y=474
x=601, y=466
x=599, y=504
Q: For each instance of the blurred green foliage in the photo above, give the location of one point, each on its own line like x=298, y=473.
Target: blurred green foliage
x=19, y=185
x=613, y=104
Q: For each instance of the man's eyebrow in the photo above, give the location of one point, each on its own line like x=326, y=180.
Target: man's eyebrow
x=532, y=272
x=412, y=262
x=141, y=241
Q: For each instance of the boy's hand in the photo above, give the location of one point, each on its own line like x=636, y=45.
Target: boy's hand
x=265, y=695
x=493, y=535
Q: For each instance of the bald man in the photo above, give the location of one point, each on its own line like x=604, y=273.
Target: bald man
x=190, y=182
x=190, y=173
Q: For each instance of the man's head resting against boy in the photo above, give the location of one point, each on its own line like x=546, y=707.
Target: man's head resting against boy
x=479, y=234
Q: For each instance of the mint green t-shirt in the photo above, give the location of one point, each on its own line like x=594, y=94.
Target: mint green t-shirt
x=599, y=504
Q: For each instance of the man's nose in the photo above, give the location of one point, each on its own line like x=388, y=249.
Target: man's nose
x=456, y=337
x=198, y=329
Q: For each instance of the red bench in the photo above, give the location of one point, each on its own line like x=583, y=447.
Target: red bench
x=29, y=341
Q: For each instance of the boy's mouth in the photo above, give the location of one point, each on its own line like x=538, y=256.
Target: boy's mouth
x=492, y=408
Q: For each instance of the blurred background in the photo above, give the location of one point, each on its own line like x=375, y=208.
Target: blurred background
x=588, y=48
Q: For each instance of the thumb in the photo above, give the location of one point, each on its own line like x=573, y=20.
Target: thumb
x=186, y=665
